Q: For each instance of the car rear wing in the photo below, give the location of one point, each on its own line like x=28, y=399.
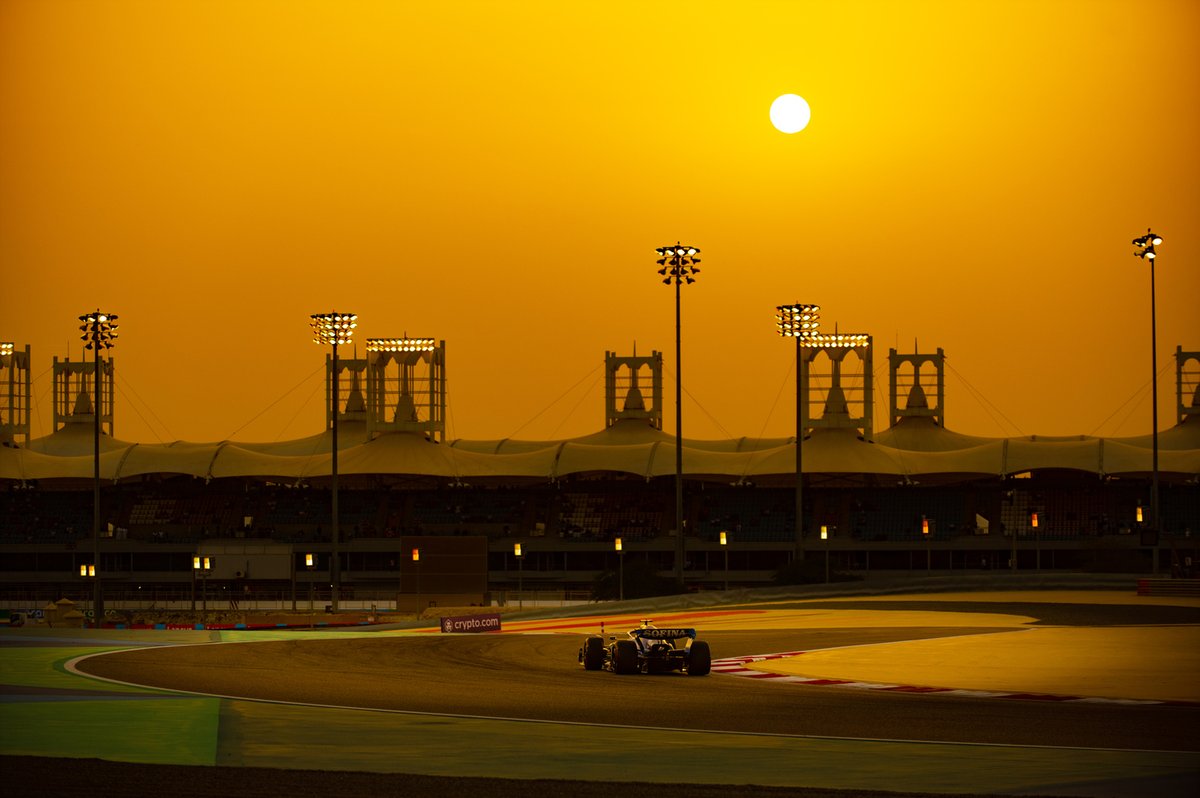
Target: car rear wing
x=663, y=634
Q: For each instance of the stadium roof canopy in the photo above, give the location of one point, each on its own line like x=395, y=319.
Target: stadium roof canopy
x=914, y=448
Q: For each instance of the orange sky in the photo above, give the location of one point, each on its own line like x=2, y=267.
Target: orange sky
x=497, y=175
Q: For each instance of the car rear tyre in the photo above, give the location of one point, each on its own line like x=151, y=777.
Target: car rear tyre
x=593, y=653
x=700, y=660
x=625, y=657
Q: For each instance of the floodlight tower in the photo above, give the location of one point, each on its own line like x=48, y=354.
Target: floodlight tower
x=334, y=328
x=99, y=332
x=799, y=321
x=406, y=386
x=1187, y=384
x=15, y=393
x=1146, y=245
x=6, y=354
x=923, y=396
x=836, y=346
x=623, y=397
x=678, y=266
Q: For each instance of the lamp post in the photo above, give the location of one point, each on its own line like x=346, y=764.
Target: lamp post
x=825, y=539
x=928, y=544
x=416, y=558
x=620, y=569
x=798, y=321
x=87, y=571
x=678, y=266
x=725, y=548
x=334, y=328
x=1146, y=251
x=99, y=332
x=1012, y=560
x=201, y=565
x=1037, y=542
x=520, y=575
x=310, y=563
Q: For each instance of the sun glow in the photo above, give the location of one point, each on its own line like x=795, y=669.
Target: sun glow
x=790, y=113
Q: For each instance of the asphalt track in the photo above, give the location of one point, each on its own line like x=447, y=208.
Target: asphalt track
x=481, y=693
x=536, y=677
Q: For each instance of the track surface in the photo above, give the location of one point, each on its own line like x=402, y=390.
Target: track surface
x=536, y=677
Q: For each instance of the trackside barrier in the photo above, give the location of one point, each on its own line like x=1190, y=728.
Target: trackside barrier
x=242, y=626
x=1169, y=587
x=198, y=626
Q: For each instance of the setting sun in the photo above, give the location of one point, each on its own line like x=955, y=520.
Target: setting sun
x=790, y=113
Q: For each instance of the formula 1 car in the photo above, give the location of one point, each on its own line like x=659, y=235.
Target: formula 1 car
x=648, y=649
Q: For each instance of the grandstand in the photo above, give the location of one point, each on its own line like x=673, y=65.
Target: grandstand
x=913, y=497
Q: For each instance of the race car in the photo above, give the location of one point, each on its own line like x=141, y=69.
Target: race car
x=648, y=649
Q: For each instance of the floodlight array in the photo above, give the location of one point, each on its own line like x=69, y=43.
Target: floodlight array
x=678, y=263
x=1146, y=245
x=836, y=340
x=333, y=328
x=6, y=348
x=401, y=345
x=798, y=321
x=99, y=330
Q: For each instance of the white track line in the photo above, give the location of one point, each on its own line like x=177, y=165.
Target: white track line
x=736, y=666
